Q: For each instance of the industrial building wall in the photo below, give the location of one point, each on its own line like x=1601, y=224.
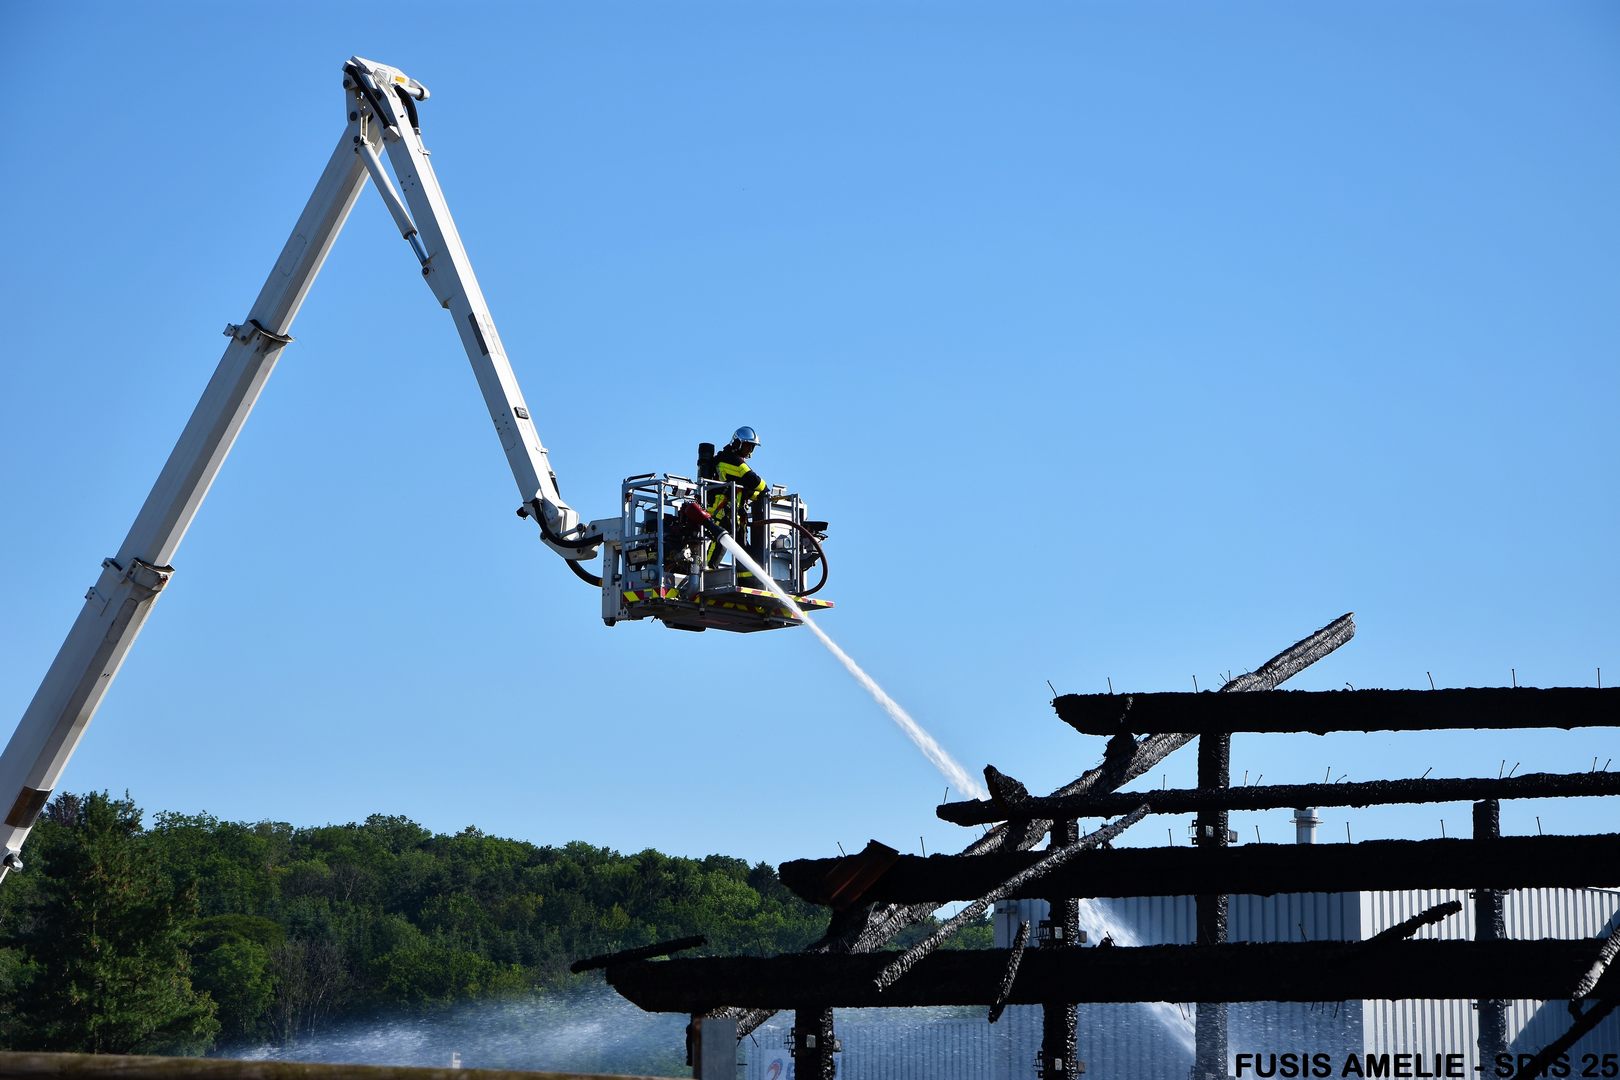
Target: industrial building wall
x=1450, y=1026
x=889, y=1044
x=1295, y=917
x=895, y=1044
x=1153, y=1041
x=1116, y=1042
x=1378, y=1026
x=1172, y=920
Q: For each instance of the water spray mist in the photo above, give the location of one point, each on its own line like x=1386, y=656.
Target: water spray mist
x=925, y=742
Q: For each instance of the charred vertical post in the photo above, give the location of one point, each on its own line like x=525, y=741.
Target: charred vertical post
x=1489, y=925
x=814, y=1044
x=1060, y=1020
x=1214, y=773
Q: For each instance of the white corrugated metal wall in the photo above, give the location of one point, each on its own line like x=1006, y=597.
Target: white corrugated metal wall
x=894, y=1044
x=1152, y=1042
x=1377, y=1026
x=880, y=1045
x=1450, y=1026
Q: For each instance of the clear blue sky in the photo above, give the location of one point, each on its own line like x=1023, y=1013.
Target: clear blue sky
x=1126, y=341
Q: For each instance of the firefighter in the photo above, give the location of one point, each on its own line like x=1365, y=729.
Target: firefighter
x=731, y=467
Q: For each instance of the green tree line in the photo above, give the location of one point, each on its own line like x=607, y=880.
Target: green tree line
x=194, y=933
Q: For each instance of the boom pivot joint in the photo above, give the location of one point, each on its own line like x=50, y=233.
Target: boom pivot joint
x=253, y=328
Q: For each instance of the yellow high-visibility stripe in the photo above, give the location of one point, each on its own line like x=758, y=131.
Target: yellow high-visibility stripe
x=652, y=594
x=729, y=471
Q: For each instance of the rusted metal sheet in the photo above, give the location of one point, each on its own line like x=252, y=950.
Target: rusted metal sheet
x=842, y=882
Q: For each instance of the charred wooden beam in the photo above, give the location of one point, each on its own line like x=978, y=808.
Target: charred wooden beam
x=876, y=926
x=645, y=952
x=873, y=925
x=999, y=1005
x=1280, y=796
x=1004, y=789
x=1018, y=884
x=1320, y=711
x=1300, y=971
x=1428, y=917
x=1260, y=869
x=1589, y=979
x=848, y=878
x=1130, y=758
x=1296, y=658
x=1540, y=1064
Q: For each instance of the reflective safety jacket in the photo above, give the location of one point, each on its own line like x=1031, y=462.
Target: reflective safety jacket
x=732, y=467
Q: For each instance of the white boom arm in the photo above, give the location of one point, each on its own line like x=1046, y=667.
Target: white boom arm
x=381, y=107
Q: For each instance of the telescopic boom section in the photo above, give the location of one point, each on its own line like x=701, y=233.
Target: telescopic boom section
x=388, y=100
x=381, y=108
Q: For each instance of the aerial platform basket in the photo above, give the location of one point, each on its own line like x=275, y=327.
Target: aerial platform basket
x=664, y=566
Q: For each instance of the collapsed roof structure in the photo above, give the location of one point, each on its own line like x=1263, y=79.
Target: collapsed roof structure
x=877, y=893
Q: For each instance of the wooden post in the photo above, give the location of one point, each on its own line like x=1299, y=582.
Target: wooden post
x=814, y=1044
x=1060, y=1019
x=1214, y=773
x=1489, y=925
